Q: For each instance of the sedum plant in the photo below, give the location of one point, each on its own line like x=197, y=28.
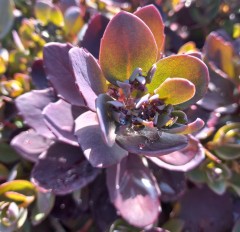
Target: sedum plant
x=124, y=112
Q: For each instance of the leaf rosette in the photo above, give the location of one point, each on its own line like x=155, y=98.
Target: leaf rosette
x=124, y=107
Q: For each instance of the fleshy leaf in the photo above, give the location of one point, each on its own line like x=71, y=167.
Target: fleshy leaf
x=106, y=123
x=42, y=207
x=184, y=159
x=220, y=52
x=172, y=184
x=39, y=77
x=151, y=16
x=134, y=192
x=56, y=16
x=92, y=37
x=183, y=66
x=59, y=119
x=175, y=90
x=30, y=106
x=8, y=155
x=43, y=10
x=88, y=74
x=225, y=142
x=89, y=136
x=73, y=20
x=30, y=145
x=220, y=92
x=174, y=225
x=6, y=17
x=25, y=191
x=198, y=206
x=126, y=44
x=189, y=128
x=59, y=72
x=63, y=169
x=150, y=141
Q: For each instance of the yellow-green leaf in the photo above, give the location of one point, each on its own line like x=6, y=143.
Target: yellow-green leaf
x=175, y=90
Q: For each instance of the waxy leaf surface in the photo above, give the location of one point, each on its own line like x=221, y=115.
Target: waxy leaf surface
x=182, y=160
x=30, y=106
x=220, y=52
x=126, y=44
x=59, y=119
x=150, y=141
x=151, y=16
x=89, y=134
x=39, y=77
x=6, y=17
x=201, y=209
x=172, y=184
x=92, y=37
x=175, y=90
x=59, y=72
x=183, y=66
x=29, y=144
x=88, y=74
x=134, y=191
x=63, y=169
x=106, y=123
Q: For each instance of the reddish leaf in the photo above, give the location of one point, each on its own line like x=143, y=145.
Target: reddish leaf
x=134, y=191
x=126, y=44
x=184, y=159
x=151, y=16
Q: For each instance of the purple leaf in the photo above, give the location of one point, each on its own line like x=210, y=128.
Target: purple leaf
x=59, y=72
x=89, y=136
x=220, y=92
x=63, y=169
x=39, y=77
x=184, y=159
x=92, y=37
x=172, y=184
x=106, y=123
x=203, y=210
x=103, y=211
x=134, y=192
x=150, y=141
x=88, y=74
x=30, y=106
x=30, y=145
x=210, y=118
x=59, y=119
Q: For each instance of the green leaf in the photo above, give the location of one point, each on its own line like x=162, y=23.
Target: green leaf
x=18, y=190
x=42, y=207
x=56, y=16
x=3, y=172
x=175, y=90
x=121, y=226
x=226, y=142
x=73, y=20
x=183, y=66
x=43, y=11
x=6, y=16
x=174, y=225
x=126, y=45
x=197, y=176
x=236, y=227
x=219, y=186
x=8, y=155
